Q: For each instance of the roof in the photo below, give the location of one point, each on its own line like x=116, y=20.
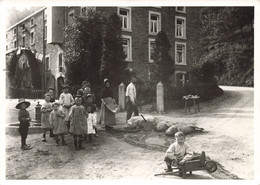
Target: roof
x=29, y=16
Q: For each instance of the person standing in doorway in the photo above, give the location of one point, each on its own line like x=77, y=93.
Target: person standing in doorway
x=131, y=99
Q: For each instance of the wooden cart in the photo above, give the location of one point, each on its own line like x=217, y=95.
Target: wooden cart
x=199, y=163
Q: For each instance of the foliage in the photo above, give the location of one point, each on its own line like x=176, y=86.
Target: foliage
x=113, y=65
x=83, y=49
x=163, y=66
x=227, y=46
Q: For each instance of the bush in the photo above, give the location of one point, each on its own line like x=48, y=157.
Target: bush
x=206, y=91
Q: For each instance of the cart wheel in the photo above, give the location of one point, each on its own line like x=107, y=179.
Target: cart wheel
x=211, y=166
x=190, y=172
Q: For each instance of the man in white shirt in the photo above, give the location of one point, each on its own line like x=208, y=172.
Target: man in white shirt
x=131, y=99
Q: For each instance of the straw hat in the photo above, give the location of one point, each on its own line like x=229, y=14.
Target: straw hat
x=20, y=101
x=47, y=94
x=55, y=103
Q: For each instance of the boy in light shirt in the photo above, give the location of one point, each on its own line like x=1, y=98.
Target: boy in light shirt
x=178, y=152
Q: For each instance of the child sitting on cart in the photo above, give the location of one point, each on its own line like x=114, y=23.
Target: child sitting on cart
x=178, y=152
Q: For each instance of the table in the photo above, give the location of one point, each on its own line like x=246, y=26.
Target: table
x=194, y=99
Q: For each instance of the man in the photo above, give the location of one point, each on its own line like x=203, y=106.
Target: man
x=51, y=92
x=131, y=99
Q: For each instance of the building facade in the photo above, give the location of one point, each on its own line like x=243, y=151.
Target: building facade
x=43, y=34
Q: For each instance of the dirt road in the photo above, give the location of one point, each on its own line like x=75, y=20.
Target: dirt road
x=228, y=139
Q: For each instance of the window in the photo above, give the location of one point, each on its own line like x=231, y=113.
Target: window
x=154, y=22
x=32, y=22
x=180, y=78
x=83, y=11
x=180, y=53
x=60, y=62
x=180, y=27
x=125, y=18
x=32, y=37
x=47, y=63
x=23, y=27
x=181, y=9
x=127, y=47
x=151, y=50
x=45, y=31
x=15, y=44
x=71, y=16
x=15, y=31
x=23, y=41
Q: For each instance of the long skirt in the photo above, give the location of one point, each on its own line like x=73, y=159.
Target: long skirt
x=107, y=117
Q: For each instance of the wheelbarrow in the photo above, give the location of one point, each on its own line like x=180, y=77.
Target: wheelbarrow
x=197, y=163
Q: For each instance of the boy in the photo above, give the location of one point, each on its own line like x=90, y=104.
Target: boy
x=24, y=118
x=178, y=152
x=66, y=101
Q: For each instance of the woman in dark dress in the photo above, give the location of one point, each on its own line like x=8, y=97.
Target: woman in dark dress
x=107, y=116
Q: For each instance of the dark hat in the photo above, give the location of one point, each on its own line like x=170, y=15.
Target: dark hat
x=50, y=88
x=84, y=82
x=65, y=86
x=106, y=80
x=89, y=95
x=78, y=96
x=20, y=101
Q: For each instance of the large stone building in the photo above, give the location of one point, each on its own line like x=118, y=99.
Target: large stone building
x=42, y=33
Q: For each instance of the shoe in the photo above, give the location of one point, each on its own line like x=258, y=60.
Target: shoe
x=26, y=148
x=27, y=145
x=80, y=145
x=168, y=170
x=43, y=139
x=76, y=145
x=63, y=142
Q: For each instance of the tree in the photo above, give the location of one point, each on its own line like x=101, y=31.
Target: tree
x=83, y=49
x=227, y=44
x=113, y=65
x=163, y=66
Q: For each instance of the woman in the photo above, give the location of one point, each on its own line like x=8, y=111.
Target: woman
x=108, y=106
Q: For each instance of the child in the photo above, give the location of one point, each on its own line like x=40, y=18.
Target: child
x=78, y=117
x=57, y=121
x=91, y=121
x=46, y=110
x=89, y=101
x=66, y=101
x=24, y=118
x=178, y=152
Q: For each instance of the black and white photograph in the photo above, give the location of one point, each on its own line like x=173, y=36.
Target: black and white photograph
x=132, y=92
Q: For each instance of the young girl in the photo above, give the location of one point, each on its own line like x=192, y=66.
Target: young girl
x=89, y=101
x=78, y=117
x=91, y=121
x=57, y=121
x=46, y=110
x=24, y=118
x=66, y=101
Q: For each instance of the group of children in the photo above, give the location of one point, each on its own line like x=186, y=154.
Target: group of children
x=78, y=118
x=75, y=116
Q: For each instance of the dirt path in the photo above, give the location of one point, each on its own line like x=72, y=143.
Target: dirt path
x=227, y=120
